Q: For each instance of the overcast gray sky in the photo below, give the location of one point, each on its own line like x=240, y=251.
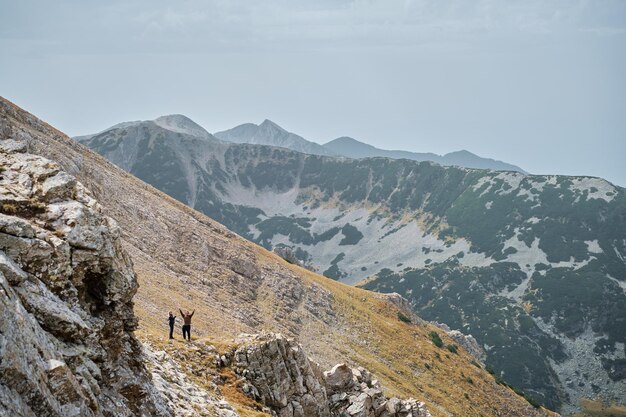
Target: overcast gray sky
x=537, y=83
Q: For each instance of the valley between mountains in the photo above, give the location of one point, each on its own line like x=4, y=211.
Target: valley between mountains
x=533, y=266
x=78, y=234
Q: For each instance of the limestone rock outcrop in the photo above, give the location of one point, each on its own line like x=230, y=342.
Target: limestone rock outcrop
x=66, y=288
x=183, y=396
x=279, y=375
x=467, y=342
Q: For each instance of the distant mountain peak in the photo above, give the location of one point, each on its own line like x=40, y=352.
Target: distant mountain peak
x=181, y=124
x=176, y=123
x=267, y=124
x=175, y=118
x=461, y=152
x=270, y=133
x=343, y=139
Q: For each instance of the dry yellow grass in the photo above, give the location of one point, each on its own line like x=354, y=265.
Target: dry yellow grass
x=407, y=374
x=593, y=408
x=401, y=355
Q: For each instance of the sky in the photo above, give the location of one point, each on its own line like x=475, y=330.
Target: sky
x=538, y=83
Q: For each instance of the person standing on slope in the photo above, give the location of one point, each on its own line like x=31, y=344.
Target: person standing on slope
x=187, y=323
x=171, y=319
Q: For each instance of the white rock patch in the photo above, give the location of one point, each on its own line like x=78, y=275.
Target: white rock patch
x=596, y=188
x=593, y=246
x=182, y=395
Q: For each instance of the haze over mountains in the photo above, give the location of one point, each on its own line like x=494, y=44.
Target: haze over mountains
x=532, y=266
x=174, y=123
x=269, y=133
x=352, y=148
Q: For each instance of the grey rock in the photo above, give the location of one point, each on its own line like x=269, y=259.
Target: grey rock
x=12, y=145
x=339, y=379
x=66, y=289
x=467, y=342
x=278, y=374
x=58, y=187
x=181, y=394
x=10, y=270
x=282, y=375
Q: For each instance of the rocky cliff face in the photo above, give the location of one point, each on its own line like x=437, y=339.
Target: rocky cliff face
x=66, y=287
x=179, y=390
x=467, y=342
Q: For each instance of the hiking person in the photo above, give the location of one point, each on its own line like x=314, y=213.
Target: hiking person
x=187, y=323
x=171, y=319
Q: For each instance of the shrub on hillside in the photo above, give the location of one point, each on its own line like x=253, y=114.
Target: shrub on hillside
x=434, y=337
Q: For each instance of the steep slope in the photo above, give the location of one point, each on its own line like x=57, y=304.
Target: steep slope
x=66, y=320
x=182, y=258
x=269, y=133
x=499, y=249
x=352, y=148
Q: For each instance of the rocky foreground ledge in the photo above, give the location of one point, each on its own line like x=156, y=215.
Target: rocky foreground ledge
x=275, y=374
x=278, y=373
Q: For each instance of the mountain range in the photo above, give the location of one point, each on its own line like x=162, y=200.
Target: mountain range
x=76, y=236
x=352, y=148
x=269, y=133
x=532, y=266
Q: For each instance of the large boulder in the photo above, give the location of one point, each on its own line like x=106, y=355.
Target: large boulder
x=339, y=379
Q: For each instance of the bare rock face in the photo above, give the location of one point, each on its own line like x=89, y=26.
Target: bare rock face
x=281, y=376
x=467, y=342
x=278, y=374
x=355, y=392
x=66, y=289
x=184, y=397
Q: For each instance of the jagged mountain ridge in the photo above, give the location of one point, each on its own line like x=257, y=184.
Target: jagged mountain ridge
x=237, y=287
x=400, y=221
x=269, y=133
x=277, y=378
x=353, y=148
